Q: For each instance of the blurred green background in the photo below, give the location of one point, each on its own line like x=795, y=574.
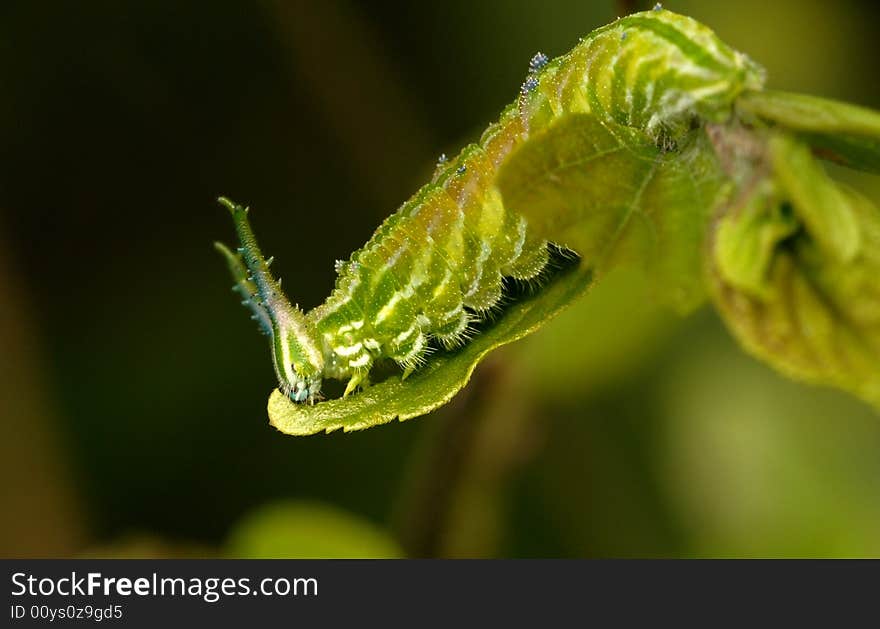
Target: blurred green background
x=133, y=386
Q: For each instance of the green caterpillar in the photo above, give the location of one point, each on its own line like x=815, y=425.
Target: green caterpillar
x=436, y=266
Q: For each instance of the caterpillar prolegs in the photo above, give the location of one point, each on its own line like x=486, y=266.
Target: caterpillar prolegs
x=437, y=266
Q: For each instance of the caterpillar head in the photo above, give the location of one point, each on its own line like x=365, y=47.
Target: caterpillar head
x=298, y=361
x=296, y=354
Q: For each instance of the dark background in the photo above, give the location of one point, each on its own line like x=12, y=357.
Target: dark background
x=133, y=385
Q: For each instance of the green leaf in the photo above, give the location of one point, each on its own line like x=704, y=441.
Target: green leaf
x=308, y=530
x=816, y=316
x=612, y=195
x=824, y=209
x=837, y=131
x=746, y=239
x=444, y=375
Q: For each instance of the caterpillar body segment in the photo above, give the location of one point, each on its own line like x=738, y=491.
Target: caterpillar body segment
x=654, y=71
x=437, y=265
x=429, y=271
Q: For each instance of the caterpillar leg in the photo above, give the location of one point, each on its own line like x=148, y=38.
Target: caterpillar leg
x=410, y=349
x=488, y=293
x=358, y=379
x=453, y=332
x=533, y=260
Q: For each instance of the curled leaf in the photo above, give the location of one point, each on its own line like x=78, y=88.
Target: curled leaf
x=791, y=298
x=746, y=240
x=825, y=210
x=438, y=381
